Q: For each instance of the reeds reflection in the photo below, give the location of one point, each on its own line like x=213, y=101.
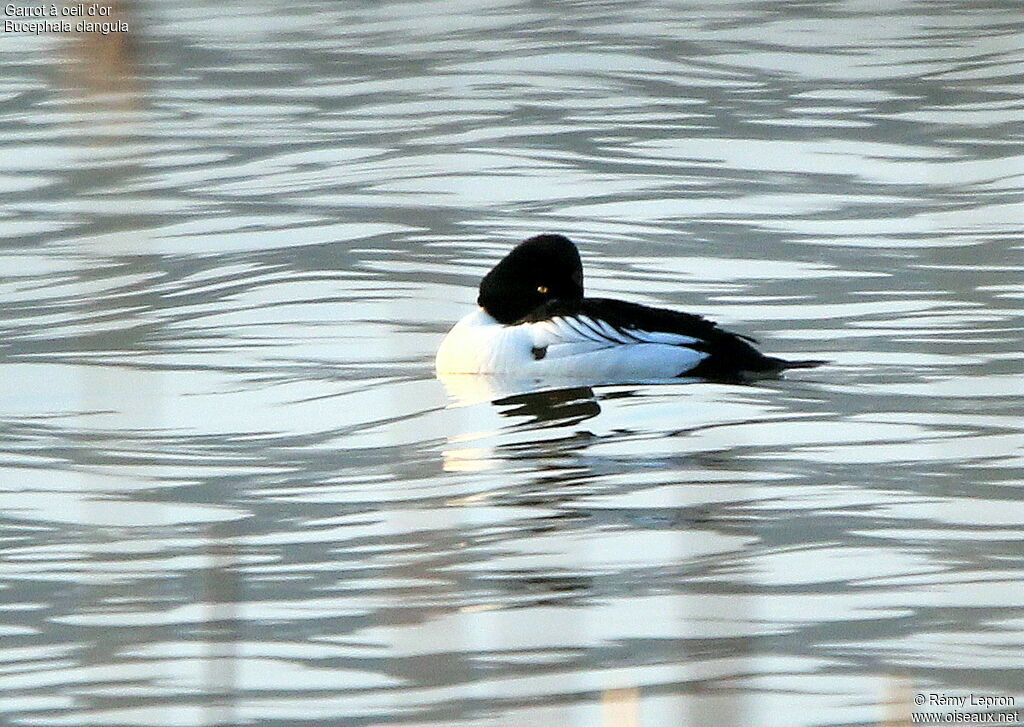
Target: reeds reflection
x=103, y=82
x=106, y=63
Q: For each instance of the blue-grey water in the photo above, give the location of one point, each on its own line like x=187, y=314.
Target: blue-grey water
x=232, y=491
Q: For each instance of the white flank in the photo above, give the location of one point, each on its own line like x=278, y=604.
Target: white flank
x=571, y=347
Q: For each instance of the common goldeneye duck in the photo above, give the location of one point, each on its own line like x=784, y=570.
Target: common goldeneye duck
x=533, y=321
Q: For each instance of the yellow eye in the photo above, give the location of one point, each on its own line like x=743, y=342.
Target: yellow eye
x=542, y=289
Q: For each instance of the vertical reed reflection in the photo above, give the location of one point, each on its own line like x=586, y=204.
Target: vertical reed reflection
x=898, y=701
x=620, y=707
x=106, y=63
x=104, y=81
x=222, y=592
x=101, y=80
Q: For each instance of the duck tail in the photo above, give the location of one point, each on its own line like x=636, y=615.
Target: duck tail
x=807, y=363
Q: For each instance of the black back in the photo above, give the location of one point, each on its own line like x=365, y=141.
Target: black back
x=730, y=352
x=543, y=277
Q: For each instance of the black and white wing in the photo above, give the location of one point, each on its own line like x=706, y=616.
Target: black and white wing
x=574, y=334
x=563, y=328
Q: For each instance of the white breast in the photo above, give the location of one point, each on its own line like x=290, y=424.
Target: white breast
x=478, y=344
x=568, y=346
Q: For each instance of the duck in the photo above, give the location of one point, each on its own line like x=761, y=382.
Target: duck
x=533, y=321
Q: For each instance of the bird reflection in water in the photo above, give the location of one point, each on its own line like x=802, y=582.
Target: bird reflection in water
x=541, y=408
x=559, y=402
x=552, y=407
x=546, y=408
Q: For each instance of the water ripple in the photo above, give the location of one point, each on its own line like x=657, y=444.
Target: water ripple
x=233, y=490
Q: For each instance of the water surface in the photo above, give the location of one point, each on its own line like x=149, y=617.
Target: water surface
x=233, y=491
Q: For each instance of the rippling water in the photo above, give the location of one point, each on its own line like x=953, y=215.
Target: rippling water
x=234, y=493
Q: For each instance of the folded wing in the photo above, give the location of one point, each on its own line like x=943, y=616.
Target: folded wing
x=570, y=335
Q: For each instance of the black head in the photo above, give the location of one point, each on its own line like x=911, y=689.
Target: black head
x=542, y=269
